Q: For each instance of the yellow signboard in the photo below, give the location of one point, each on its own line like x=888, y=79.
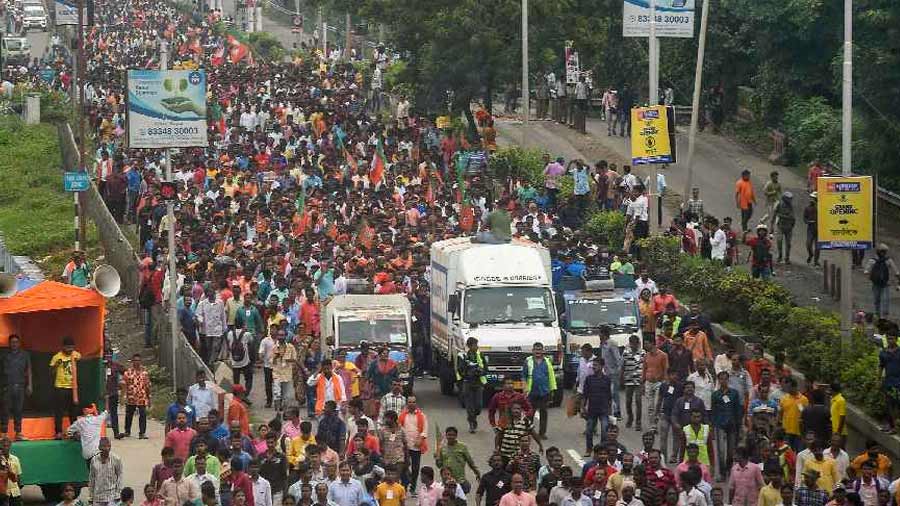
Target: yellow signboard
x=845, y=212
x=650, y=141
x=442, y=122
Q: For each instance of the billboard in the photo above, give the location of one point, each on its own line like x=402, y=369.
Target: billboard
x=845, y=212
x=166, y=108
x=650, y=139
x=66, y=13
x=674, y=18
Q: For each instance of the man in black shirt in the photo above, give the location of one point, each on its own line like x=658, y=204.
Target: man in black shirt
x=17, y=369
x=817, y=418
x=494, y=483
x=273, y=467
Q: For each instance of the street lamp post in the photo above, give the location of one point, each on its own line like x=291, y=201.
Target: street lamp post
x=526, y=109
x=847, y=158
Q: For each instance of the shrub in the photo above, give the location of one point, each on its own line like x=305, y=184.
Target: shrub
x=813, y=128
x=659, y=253
x=607, y=227
x=267, y=46
x=518, y=163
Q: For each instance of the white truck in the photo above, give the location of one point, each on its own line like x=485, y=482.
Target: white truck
x=500, y=294
x=380, y=320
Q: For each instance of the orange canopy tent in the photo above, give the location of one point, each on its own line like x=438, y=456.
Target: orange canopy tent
x=41, y=315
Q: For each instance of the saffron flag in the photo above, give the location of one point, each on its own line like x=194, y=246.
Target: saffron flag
x=376, y=173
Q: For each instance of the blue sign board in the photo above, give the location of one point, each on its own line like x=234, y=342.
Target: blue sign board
x=76, y=181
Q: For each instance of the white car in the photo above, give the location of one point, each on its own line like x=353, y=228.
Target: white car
x=34, y=16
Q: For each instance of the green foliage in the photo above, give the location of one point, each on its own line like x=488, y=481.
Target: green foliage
x=267, y=46
x=393, y=75
x=814, y=130
x=809, y=336
x=518, y=163
x=30, y=168
x=607, y=227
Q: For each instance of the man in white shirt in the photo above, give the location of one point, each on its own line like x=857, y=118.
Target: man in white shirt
x=201, y=396
x=201, y=476
x=266, y=354
x=262, y=490
x=639, y=212
x=644, y=282
x=213, y=324
x=87, y=428
x=719, y=243
x=841, y=458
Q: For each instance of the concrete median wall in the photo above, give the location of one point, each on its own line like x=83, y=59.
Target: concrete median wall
x=116, y=248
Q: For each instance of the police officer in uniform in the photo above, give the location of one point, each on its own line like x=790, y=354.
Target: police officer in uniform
x=470, y=371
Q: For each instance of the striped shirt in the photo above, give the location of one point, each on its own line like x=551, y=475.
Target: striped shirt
x=633, y=366
x=105, y=479
x=512, y=434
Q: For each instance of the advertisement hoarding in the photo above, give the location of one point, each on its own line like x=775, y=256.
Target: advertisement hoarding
x=674, y=18
x=166, y=108
x=650, y=139
x=845, y=212
x=66, y=13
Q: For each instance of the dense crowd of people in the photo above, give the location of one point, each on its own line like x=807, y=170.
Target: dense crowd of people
x=305, y=186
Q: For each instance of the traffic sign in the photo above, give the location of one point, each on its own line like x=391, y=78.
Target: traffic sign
x=76, y=181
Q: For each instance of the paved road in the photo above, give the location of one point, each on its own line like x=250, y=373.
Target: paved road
x=718, y=162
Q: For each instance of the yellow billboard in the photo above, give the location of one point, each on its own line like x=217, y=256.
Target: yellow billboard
x=845, y=212
x=650, y=139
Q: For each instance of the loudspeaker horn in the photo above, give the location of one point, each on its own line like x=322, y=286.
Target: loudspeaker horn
x=8, y=284
x=107, y=281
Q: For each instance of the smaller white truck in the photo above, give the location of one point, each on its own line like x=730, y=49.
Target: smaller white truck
x=380, y=320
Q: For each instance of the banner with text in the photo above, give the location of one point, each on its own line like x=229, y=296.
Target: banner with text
x=66, y=13
x=167, y=108
x=674, y=18
x=650, y=139
x=845, y=212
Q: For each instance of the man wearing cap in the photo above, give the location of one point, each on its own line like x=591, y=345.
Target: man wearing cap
x=811, y=218
x=760, y=253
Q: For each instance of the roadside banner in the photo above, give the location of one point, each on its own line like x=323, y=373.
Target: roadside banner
x=66, y=12
x=845, y=212
x=651, y=141
x=573, y=69
x=674, y=18
x=167, y=108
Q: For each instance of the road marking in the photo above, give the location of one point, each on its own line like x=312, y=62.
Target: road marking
x=574, y=455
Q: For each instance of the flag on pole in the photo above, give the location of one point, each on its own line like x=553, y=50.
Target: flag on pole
x=376, y=173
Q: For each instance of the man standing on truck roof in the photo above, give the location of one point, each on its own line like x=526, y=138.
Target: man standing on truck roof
x=17, y=364
x=540, y=383
x=65, y=398
x=470, y=369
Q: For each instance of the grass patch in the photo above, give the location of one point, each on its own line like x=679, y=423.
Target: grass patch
x=35, y=213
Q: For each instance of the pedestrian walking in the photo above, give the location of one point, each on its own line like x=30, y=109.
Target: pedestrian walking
x=784, y=220
x=880, y=271
x=540, y=384
x=744, y=199
x=596, y=404
x=137, y=396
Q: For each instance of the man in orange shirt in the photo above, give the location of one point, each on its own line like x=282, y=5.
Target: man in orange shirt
x=237, y=411
x=744, y=198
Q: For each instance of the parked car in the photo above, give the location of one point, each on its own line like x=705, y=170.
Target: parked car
x=34, y=16
x=15, y=50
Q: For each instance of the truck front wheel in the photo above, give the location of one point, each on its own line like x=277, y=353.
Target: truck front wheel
x=446, y=377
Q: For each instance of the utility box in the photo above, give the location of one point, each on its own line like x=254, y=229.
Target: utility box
x=32, y=111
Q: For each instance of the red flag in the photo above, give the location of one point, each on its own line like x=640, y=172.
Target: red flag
x=238, y=50
x=218, y=57
x=376, y=173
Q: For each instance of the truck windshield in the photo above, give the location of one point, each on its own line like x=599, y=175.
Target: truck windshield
x=586, y=314
x=509, y=304
x=14, y=44
x=352, y=330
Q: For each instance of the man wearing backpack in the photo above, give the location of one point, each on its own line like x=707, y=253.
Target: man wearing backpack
x=238, y=342
x=879, y=270
x=784, y=225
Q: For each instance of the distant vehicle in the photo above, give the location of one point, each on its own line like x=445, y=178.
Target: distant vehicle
x=27, y=3
x=15, y=50
x=380, y=320
x=34, y=16
x=589, y=311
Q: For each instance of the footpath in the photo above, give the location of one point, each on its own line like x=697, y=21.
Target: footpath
x=718, y=162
